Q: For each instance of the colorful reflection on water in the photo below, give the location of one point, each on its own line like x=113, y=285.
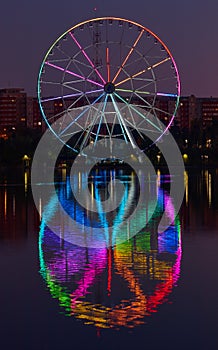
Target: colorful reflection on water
x=112, y=287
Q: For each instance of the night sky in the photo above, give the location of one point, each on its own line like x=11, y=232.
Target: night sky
x=189, y=28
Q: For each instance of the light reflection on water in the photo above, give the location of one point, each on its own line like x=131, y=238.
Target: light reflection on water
x=116, y=286
x=200, y=205
x=107, y=287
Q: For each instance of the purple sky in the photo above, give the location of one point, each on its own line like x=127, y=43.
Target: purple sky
x=189, y=28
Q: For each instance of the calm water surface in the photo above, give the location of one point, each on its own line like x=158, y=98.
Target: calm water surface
x=152, y=290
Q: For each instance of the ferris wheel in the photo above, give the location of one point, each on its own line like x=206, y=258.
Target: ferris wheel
x=108, y=78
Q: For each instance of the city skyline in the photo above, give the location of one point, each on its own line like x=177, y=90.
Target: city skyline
x=189, y=31
x=17, y=108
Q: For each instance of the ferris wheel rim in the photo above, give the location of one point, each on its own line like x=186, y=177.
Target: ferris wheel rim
x=104, y=86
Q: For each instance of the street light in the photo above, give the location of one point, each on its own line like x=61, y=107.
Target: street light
x=26, y=161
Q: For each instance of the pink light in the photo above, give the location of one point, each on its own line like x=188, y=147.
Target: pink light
x=109, y=277
x=86, y=56
x=176, y=267
x=72, y=73
x=163, y=289
x=96, y=266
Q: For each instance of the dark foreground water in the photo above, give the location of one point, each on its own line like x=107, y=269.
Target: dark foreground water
x=156, y=291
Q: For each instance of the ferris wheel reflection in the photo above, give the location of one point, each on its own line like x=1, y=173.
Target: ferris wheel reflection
x=120, y=285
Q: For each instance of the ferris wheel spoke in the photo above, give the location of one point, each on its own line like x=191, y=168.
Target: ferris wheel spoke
x=141, y=123
x=134, y=91
x=57, y=98
x=134, y=62
x=111, y=132
x=79, y=138
x=86, y=137
x=108, y=64
x=72, y=73
x=81, y=65
x=100, y=122
x=166, y=94
x=138, y=112
x=50, y=83
x=161, y=111
x=70, y=85
x=152, y=113
x=128, y=55
x=170, y=78
x=151, y=48
x=63, y=60
x=87, y=57
x=147, y=104
x=91, y=126
x=63, y=52
x=74, y=132
x=123, y=123
x=140, y=89
x=70, y=95
x=138, y=92
x=145, y=83
x=133, y=123
x=143, y=71
x=55, y=116
x=142, y=59
x=77, y=141
x=74, y=103
x=81, y=114
x=77, y=60
x=63, y=120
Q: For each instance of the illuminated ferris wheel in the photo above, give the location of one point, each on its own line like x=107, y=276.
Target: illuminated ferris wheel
x=108, y=78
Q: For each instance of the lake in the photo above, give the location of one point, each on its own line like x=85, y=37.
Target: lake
x=149, y=289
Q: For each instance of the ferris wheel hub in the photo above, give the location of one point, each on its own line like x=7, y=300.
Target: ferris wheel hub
x=109, y=88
